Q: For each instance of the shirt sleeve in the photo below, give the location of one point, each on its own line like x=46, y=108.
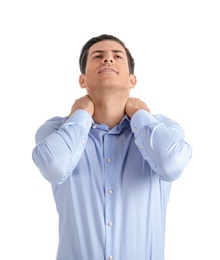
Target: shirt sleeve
x=60, y=143
x=161, y=143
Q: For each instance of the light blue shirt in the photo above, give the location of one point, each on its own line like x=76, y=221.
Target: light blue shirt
x=111, y=186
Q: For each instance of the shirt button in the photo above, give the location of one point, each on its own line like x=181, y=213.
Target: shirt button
x=140, y=146
x=135, y=129
x=110, y=257
x=110, y=191
x=110, y=223
x=109, y=160
x=88, y=124
x=94, y=126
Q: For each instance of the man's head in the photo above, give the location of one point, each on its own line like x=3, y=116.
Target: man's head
x=89, y=43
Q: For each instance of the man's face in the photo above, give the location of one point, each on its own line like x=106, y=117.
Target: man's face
x=107, y=69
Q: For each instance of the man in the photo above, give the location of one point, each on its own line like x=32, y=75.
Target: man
x=110, y=162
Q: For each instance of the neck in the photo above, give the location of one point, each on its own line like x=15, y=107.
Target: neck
x=109, y=112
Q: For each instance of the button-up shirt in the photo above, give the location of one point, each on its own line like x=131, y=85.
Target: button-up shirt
x=111, y=186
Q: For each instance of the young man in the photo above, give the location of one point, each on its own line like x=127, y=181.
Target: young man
x=110, y=162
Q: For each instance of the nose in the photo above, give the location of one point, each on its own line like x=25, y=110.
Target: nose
x=108, y=59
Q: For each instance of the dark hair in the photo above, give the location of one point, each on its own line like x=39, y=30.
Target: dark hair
x=85, y=49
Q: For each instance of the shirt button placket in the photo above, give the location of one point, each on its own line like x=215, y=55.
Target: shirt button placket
x=108, y=199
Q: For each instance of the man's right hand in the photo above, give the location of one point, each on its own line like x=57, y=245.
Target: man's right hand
x=84, y=103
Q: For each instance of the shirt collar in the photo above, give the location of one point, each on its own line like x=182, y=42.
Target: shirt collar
x=115, y=130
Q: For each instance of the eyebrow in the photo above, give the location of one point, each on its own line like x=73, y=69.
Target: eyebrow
x=114, y=51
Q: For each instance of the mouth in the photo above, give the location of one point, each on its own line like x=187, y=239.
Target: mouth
x=107, y=70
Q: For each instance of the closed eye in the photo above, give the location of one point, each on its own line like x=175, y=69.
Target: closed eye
x=118, y=57
x=98, y=57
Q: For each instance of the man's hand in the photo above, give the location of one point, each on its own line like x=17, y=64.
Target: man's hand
x=133, y=105
x=84, y=103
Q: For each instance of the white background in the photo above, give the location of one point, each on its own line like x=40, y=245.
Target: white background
x=176, y=47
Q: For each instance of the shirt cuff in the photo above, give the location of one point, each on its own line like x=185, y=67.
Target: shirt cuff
x=141, y=119
x=82, y=118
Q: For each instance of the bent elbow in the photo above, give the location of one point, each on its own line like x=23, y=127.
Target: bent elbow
x=174, y=167
x=51, y=169
x=171, y=172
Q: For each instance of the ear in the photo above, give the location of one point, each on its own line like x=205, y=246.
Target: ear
x=82, y=81
x=133, y=81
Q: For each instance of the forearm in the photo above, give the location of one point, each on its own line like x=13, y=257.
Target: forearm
x=161, y=143
x=58, y=151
